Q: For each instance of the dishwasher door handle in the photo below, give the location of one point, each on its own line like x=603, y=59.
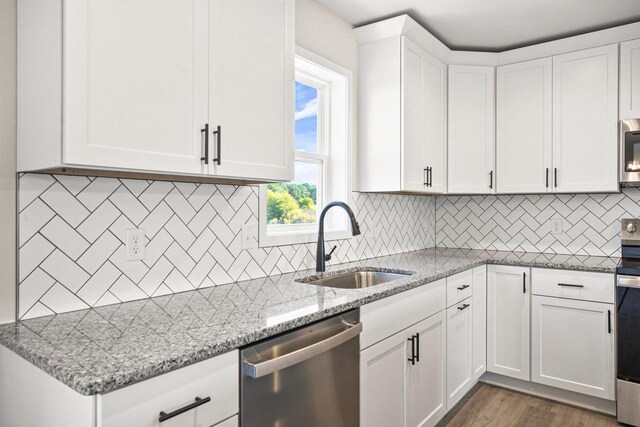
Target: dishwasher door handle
x=257, y=370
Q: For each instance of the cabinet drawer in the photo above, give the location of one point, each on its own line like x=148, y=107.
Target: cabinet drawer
x=140, y=404
x=385, y=317
x=459, y=287
x=573, y=284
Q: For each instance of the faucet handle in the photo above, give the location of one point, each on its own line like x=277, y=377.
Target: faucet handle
x=327, y=257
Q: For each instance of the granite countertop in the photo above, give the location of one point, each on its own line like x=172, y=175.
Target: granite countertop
x=106, y=348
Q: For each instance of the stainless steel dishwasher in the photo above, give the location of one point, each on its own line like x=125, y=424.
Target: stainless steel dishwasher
x=308, y=377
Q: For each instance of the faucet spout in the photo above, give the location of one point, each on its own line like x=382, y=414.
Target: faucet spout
x=321, y=257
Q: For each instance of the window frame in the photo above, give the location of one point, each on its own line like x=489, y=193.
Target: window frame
x=334, y=84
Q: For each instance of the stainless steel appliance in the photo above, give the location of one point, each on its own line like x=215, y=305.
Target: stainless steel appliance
x=630, y=152
x=628, y=324
x=308, y=377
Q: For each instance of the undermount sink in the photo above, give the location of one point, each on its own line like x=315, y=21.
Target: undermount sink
x=357, y=279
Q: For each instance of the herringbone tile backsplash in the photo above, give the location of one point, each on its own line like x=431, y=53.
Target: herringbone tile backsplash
x=71, y=233
x=590, y=222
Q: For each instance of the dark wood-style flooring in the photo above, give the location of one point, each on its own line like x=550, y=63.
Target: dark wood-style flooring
x=493, y=406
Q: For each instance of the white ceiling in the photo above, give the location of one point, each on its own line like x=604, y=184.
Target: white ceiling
x=494, y=25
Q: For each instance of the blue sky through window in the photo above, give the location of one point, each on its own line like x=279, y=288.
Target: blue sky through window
x=306, y=117
x=306, y=131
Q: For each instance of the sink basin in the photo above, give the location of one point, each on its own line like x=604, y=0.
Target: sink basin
x=357, y=279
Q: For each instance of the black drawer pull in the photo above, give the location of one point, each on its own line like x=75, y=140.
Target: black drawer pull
x=609, y=320
x=463, y=307
x=524, y=283
x=463, y=287
x=164, y=416
x=569, y=285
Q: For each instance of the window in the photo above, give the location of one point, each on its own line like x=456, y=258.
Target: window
x=289, y=211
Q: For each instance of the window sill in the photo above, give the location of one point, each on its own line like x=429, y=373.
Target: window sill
x=269, y=240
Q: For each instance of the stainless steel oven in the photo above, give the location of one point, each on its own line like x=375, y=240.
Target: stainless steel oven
x=308, y=377
x=628, y=325
x=630, y=152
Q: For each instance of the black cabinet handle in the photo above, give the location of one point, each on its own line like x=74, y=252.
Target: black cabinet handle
x=547, y=179
x=524, y=283
x=164, y=416
x=218, y=134
x=609, y=320
x=430, y=172
x=206, y=144
x=463, y=307
x=491, y=180
x=425, y=175
x=413, y=349
x=463, y=287
x=555, y=177
x=417, y=346
x=569, y=285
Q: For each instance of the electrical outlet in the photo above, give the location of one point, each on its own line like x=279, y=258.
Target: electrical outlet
x=556, y=225
x=135, y=244
x=249, y=236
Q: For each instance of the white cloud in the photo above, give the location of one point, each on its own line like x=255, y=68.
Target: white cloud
x=310, y=109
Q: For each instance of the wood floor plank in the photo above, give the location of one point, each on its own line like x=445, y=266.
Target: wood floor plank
x=490, y=406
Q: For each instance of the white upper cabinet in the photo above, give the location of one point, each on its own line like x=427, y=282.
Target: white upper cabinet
x=508, y=311
x=424, y=120
x=403, y=117
x=139, y=82
x=630, y=79
x=471, y=129
x=135, y=84
x=251, y=69
x=585, y=120
x=523, y=140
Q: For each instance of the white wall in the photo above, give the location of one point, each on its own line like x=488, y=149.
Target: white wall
x=326, y=34
x=7, y=160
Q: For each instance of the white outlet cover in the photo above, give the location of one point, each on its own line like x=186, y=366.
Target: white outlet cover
x=556, y=225
x=249, y=236
x=135, y=242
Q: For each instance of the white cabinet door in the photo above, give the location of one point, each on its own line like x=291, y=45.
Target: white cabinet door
x=573, y=345
x=413, y=169
x=251, y=79
x=435, y=133
x=523, y=137
x=423, y=134
x=135, y=84
x=425, y=397
x=508, y=308
x=459, y=350
x=630, y=79
x=471, y=129
x=585, y=120
x=382, y=382
x=479, y=322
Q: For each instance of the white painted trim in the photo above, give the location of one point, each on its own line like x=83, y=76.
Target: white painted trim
x=345, y=133
x=405, y=25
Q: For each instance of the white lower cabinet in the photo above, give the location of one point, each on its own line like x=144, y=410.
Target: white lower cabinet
x=508, y=310
x=573, y=345
x=459, y=350
x=383, y=383
x=402, y=377
x=479, y=300
x=425, y=398
x=140, y=404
